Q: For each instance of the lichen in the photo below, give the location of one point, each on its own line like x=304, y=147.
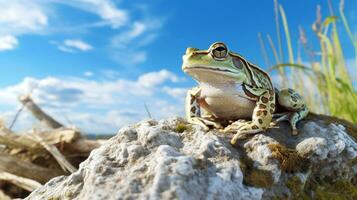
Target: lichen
x=289, y=159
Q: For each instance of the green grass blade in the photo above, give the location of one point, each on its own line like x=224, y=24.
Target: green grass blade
x=287, y=34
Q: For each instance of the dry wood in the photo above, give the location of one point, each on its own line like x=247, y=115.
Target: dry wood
x=3, y=196
x=71, y=139
x=26, y=169
x=25, y=159
x=62, y=161
x=39, y=113
x=25, y=183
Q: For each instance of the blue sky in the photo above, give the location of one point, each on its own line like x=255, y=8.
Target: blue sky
x=95, y=63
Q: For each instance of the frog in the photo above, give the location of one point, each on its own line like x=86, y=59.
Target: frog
x=234, y=95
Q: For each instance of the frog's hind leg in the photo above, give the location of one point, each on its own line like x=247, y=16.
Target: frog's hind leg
x=293, y=102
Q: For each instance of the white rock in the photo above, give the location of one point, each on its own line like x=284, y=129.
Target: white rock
x=150, y=160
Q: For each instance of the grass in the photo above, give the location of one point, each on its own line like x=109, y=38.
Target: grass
x=328, y=87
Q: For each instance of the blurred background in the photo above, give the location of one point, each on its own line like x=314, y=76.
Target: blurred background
x=102, y=64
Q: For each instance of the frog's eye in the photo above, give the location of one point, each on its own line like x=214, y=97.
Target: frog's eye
x=219, y=51
x=238, y=63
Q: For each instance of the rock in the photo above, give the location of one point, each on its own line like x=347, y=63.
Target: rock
x=171, y=159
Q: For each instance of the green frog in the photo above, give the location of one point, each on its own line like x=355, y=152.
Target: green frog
x=236, y=94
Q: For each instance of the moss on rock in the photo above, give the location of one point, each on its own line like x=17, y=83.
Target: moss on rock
x=289, y=159
x=339, y=190
x=296, y=188
x=255, y=177
x=181, y=127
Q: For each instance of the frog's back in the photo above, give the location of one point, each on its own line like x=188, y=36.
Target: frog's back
x=257, y=76
x=260, y=78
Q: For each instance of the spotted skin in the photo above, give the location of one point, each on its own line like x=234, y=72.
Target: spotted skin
x=291, y=101
x=261, y=117
x=266, y=104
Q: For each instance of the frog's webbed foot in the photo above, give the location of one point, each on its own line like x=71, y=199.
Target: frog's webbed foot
x=243, y=129
x=292, y=118
x=235, y=126
x=292, y=101
x=205, y=123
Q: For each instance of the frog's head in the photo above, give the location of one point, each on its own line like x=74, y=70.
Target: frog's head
x=215, y=64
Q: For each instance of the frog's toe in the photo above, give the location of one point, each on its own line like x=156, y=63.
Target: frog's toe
x=295, y=132
x=239, y=136
x=235, y=126
x=200, y=122
x=244, y=134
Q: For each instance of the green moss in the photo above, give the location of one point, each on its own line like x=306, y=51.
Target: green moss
x=255, y=177
x=340, y=190
x=324, y=189
x=181, y=127
x=296, y=188
x=289, y=160
x=259, y=178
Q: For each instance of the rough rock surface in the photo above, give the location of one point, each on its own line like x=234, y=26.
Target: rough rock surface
x=171, y=159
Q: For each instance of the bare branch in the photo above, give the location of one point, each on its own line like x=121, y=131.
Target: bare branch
x=39, y=113
x=62, y=161
x=25, y=183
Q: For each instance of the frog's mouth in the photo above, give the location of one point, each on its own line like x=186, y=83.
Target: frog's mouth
x=211, y=73
x=205, y=68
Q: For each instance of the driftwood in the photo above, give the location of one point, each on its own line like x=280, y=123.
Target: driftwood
x=25, y=183
x=40, y=157
x=3, y=196
x=70, y=140
x=62, y=161
x=30, y=159
x=38, y=113
x=27, y=169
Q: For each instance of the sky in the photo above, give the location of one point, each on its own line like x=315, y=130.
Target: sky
x=95, y=64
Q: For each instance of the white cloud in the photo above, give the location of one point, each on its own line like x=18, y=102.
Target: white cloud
x=110, y=74
x=105, y=9
x=153, y=79
x=72, y=45
x=178, y=93
x=123, y=39
x=78, y=44
x=98, y=106
x=21, y=16
x=129, y=57
x=88, y=74
x=8, y=42
x=128, y=44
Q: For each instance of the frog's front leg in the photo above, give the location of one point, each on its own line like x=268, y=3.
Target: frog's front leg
x=261, y=118
x=194, y=112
